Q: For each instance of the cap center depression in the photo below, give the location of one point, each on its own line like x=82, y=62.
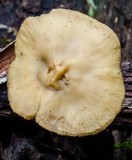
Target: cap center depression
x=55, y=77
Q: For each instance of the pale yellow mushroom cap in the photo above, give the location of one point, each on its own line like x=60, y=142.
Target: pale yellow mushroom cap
x=66, y=74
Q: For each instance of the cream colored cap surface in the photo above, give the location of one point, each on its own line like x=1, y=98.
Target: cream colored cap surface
x=66, y=74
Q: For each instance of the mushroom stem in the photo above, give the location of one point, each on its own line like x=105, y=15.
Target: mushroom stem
x=58, y=75
x=55, y=78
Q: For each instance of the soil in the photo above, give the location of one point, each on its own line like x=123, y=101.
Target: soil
x=25, y=140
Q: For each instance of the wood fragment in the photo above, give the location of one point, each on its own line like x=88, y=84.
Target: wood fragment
x=7, y=55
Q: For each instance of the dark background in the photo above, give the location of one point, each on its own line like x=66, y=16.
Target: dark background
x=115, y=13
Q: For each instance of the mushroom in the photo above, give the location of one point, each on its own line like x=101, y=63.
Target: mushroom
x=66, y=74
